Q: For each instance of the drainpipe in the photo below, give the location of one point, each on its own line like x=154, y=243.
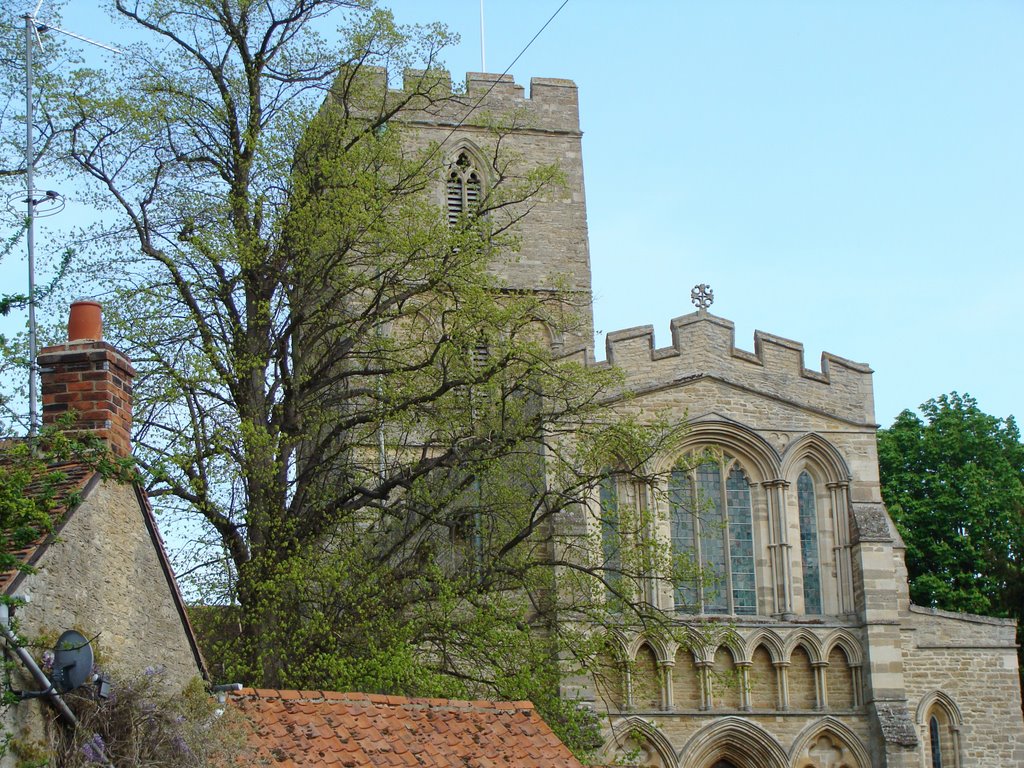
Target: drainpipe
x=40, y=677
x=30, y=664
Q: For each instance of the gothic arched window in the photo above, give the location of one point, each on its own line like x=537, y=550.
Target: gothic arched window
x=810, y=557
x=711, y=525
x=463, y=189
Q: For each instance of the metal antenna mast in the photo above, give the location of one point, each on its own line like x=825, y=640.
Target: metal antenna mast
x=32, y=28
x=483, y=52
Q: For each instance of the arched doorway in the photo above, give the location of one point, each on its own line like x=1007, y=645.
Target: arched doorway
x=723, y=764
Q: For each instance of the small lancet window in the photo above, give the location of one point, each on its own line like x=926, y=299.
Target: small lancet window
x=463, y=190
x=936, y=741
x=809, y=553
x=611, y=538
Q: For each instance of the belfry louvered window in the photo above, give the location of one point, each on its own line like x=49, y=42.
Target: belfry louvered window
x=463, y=190
x=711, y=525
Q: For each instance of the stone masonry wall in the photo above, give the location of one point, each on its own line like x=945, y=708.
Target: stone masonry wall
x=973, y=661
x=103, y=578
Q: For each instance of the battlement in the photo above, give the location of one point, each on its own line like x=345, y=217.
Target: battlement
x=552, y=105
x=704, y=345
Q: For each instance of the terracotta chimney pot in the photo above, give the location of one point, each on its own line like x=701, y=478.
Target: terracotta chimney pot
x=90, y=377
x=85, y=322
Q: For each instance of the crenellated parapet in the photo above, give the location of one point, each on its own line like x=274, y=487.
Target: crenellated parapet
x=704, y=345
x=551, y=107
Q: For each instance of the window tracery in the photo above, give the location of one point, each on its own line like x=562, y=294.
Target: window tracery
x=711, y=523
x=463, y=190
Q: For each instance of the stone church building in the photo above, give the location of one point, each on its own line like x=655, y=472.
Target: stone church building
x=805, y=650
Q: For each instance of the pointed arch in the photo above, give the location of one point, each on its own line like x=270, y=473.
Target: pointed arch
x=809, y=641
x=736, y=740
x=633, y=731
x=465, y=146
x=848, y=642
x=929, y=700
x=465, y=181
x=771, y=641
x=841, y=736
x=616, y=642
x=725, y=680
x=661, y=649
x=815, y=449
x=756, y=454
x=762, y=680
x=939, y=722
x=686, y=677
x=646, y=679
x=705, y=647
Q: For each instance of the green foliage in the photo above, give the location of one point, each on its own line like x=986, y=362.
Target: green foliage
x=33, y=483
x=380, y=500
x=145, y=724
x=954, y=484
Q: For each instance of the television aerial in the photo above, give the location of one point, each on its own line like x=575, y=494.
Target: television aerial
x=37, y=204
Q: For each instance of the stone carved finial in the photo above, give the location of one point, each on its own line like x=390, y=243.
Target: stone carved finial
x=702, y=296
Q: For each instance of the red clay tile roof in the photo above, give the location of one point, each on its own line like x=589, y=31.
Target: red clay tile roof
x=73, y=477
x=351, y=730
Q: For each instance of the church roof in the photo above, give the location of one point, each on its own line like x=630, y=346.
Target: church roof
x=353, y=730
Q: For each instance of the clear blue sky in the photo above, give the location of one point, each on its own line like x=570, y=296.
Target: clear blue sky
x=849, y=175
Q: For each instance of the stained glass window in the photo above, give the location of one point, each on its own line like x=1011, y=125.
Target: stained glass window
x=741, y=543
x=681, y=524
x=711, y=523
x=610, y=537
x=809, y=543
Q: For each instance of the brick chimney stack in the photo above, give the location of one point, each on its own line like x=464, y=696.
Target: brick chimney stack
x=90, y=376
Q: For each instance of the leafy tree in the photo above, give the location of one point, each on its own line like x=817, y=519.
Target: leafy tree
x=378, y=436
x=954, y=484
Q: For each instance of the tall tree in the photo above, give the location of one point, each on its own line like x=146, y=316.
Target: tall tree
x=330, y=377
x=954, y=483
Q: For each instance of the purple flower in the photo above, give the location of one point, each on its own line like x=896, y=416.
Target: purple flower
x=47, y=660
x=180, y=746
x=95, y=749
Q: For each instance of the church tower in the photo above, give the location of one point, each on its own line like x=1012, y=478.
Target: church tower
x=493, y=131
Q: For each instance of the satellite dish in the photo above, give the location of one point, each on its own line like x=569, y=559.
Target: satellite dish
x=72, y=661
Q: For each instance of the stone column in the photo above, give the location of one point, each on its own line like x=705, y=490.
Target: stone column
x=744, y=682
x=779, y=548
x=782, y=680
x=627, y=685
x=857, y=681
x=839, y=497
x=668, y=697
x=704, y=675
x=820, y=684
